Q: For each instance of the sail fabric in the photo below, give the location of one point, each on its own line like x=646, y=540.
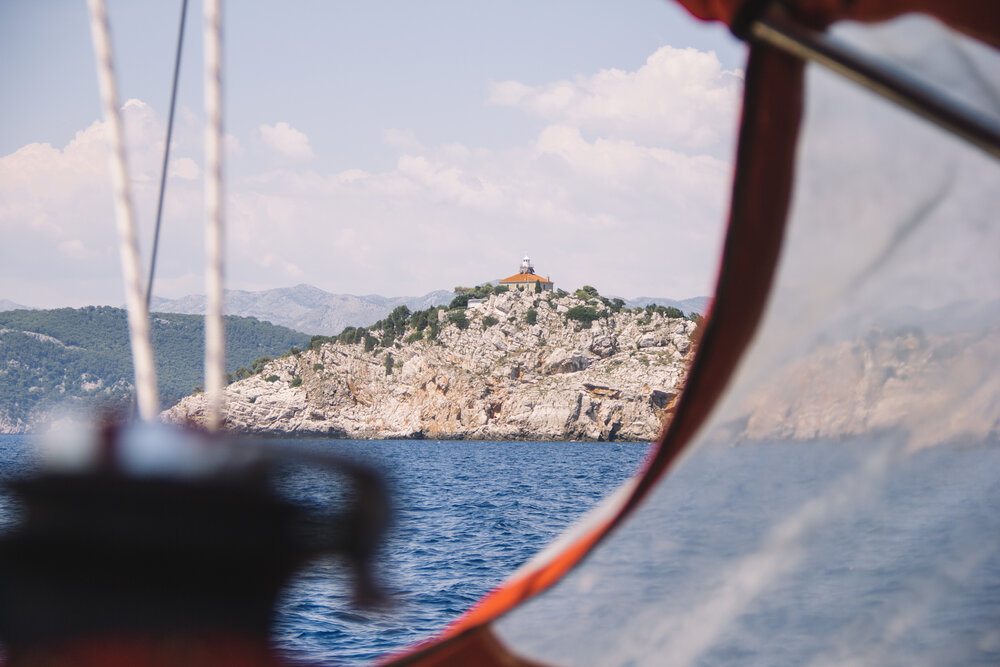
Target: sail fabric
x=760, y=201
x=862, y=426
x=865, y=195
x=979, y=19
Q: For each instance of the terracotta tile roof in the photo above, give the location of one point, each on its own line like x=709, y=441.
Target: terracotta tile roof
x=525, y=278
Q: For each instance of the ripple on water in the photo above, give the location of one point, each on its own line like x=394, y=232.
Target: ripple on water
x=468, y=514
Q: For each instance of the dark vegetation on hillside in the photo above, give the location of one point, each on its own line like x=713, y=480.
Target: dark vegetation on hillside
x=92, y=347
x=404, y=326
x=90, y=364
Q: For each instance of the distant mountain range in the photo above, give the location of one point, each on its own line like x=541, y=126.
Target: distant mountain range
x=7, y=304
x=314, y=311
x=306, y=308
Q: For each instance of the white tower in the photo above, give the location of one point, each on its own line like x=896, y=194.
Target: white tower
x=526, y=266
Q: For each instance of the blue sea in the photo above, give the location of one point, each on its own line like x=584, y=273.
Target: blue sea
x=469, y=513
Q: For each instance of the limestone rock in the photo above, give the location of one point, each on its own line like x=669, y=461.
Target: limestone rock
x=934, y=388
x=554, y=380
x=562, y=361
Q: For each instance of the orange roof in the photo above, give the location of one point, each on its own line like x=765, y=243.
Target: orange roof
x=525, y=278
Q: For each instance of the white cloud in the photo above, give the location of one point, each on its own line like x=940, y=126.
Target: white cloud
x=233, y=146
x=184, y=168
x=285, y=139
x=596, y=211
x=443, y=182
x=55, y=204
x=404, y=140
x=681, y=98
x=597, y=197
x=75, y=249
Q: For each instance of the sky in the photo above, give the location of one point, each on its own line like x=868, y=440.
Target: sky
x=376, y=147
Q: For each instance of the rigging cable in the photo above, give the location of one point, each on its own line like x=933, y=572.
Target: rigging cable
x=163, y=171
x=895, y=85
x=215, y=342
x=147, y=393
x=166, y=155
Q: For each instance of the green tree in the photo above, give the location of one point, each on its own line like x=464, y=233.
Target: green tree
x=489, y=321
x=400, y=315
x=419, y=320
x=673, y=313
x=585, y=315
x=531, y=316
x=388, y=363
x=317, y=341
x=349, y=335
x=459, y=319
x=258, y=365
x=480, y=291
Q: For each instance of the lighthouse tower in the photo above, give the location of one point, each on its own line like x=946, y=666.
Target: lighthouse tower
x=527, y=279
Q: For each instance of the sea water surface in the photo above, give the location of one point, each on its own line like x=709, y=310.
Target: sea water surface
x=466, y=515
x=469, y=513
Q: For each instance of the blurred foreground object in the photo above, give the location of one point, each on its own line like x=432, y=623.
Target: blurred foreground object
x=149, y=545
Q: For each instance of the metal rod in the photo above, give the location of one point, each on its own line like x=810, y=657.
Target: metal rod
x=892, y=84
x=166, y=154
x=163, y=172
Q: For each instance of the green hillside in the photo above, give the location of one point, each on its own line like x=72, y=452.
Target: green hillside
x=50, y=357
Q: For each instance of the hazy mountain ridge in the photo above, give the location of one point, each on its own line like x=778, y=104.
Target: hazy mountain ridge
x=312, y=310
x=7, y=304
x=306, y=308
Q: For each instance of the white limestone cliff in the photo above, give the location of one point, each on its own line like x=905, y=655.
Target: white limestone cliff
x=554, y=379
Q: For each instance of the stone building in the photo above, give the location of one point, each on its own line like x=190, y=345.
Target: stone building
x=527, y=279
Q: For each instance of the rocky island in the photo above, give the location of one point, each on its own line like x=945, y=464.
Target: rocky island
x=515, y=364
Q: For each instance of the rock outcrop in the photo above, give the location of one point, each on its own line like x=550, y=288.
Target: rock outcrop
x=934, y=388
x=500, y=378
